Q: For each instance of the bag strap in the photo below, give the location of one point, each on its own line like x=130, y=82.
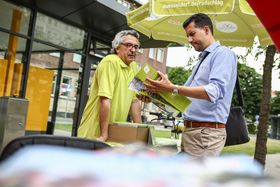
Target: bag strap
x=206, y=54
x=239, y=93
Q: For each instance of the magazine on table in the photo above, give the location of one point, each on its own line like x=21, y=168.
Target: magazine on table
x=175, y=101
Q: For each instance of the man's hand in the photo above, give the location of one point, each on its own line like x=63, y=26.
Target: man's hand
x=102, y=138
x=163, y=84
x=143, y=98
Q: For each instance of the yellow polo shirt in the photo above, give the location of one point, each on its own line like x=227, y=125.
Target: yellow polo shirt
x=110, y=80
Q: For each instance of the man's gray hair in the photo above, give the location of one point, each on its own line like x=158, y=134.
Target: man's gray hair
x=119, y=38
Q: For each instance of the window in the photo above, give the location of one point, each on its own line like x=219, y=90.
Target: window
x=53, y=84
x=160, y=55
x=6, y=13
x=65, y=86
x=140, y=50
x=77, y=58
x=50, y=30
x=152, y=53
x=102, y=49
x=55, y=54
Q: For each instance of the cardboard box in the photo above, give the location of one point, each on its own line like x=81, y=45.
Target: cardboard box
x=128, y=133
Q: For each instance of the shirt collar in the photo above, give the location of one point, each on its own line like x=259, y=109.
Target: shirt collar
x=209, y=49
x=213, y=46
x=121, y=63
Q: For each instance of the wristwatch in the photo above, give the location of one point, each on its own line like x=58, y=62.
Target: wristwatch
x=176, y=89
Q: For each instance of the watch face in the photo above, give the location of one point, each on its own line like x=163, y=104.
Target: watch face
x=175, y=90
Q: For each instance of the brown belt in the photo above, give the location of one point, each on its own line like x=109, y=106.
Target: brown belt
x=194, y=124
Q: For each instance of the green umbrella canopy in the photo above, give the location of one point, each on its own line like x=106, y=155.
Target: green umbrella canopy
x=235, y=23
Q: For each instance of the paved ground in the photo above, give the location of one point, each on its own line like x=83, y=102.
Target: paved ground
x=272, y=166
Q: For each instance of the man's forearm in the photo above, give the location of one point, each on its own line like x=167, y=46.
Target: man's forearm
x=104, y=116
x=135, y=111
x=194, y=92
x=166, y=85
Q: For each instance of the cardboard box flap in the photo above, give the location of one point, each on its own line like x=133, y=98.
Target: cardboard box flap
x=128, y=133
x=128, y=124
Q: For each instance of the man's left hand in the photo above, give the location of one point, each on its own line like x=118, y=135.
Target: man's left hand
x=162, y=84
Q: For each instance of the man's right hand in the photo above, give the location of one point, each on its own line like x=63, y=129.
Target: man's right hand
x=143, y=98
x=102, y=138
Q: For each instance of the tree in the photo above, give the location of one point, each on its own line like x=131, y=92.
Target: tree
x=261, y=149
x=251, y=87
x=270, y=61
x=178, y=75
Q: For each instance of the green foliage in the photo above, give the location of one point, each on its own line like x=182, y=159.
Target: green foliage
x=252, y=128
x=275, y=104
x=178, y=75
x=251, y=87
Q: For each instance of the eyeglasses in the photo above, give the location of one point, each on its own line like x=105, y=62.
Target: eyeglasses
x=130, y=46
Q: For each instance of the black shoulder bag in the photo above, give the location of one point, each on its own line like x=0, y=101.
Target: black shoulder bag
x=236, y=128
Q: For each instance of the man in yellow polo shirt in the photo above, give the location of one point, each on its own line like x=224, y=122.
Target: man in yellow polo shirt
x=110, y=100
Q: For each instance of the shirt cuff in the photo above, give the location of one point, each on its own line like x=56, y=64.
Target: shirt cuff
x=211, y=92
x=103, y=94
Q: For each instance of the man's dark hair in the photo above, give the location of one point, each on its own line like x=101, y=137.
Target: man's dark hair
x=200, y=20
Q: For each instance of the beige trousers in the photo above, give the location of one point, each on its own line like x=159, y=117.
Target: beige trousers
x=203, y=142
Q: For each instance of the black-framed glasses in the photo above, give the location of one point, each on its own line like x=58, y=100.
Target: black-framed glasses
x=130, y=46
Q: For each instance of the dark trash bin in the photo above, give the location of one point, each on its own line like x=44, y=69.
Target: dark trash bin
x=275, y=127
